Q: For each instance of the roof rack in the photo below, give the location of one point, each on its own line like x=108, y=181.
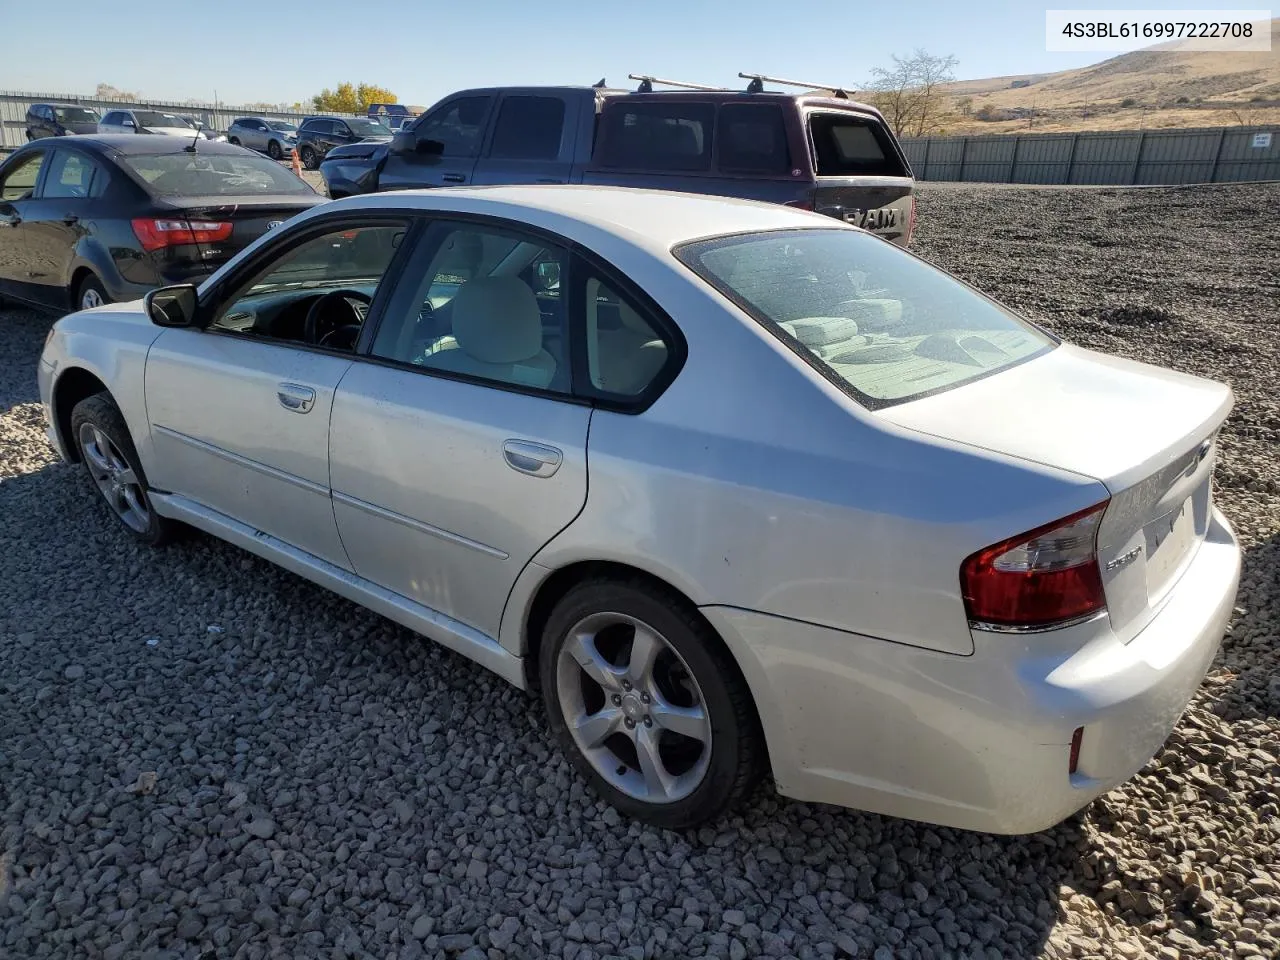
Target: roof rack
x=647, y=82
x=758, y=80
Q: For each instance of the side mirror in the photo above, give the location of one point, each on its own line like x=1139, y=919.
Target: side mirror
x=128, y=123
x=548, y=274
x=429, y=148
x=174, y=306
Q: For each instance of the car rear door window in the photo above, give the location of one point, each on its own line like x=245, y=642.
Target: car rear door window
x=751, y=138
x=74, y=176
x=457, y=125
x=528, y=128
x=845, y=145
x=487, y=304
x=20, y=182
x=625, y=351
x=672, y=137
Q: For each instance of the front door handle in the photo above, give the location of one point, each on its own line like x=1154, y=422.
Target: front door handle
x=535, y=459
x=454, y=178
x=295, y=397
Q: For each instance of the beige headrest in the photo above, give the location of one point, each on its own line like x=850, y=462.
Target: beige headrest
x=496, y=320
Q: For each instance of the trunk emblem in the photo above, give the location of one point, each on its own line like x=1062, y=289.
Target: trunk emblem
x=1124, y=560
x=878, y=219
x=272, y=224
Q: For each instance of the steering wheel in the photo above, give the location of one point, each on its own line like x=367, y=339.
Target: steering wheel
x=325, y=316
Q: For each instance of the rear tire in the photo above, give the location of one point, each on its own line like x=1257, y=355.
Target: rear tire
x=274, y=151
x=234, y=141
x=90, y=293
x=110, y=459
x=308, y=158
x=659, y=719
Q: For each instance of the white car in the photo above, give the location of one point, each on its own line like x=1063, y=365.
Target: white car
x=737, y=487
x=146, y=121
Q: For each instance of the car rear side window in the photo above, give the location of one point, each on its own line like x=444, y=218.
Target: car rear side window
x=845, y=145
x=74, y=176
x=881, y=324
x=528, y=128
x=751, y=138
x=670, y=137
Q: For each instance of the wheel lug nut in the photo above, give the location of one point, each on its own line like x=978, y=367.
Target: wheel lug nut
x=648, y=721
x=644, y=698
x=626, y=684
x=616, y=700
x=630, y=723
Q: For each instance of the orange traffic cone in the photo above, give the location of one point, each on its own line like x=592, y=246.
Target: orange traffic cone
x=297, y=164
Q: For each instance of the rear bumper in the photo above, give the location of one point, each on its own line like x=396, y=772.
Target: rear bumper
x=980, y=742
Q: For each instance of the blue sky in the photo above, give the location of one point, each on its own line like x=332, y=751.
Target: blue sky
x=284, y=51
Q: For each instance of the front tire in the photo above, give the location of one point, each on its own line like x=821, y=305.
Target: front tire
x=274, y=151
x=646, y=703
x=91, y=293
x=111, y=461
x=308, y=158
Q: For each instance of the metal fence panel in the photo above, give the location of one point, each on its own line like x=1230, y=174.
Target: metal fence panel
x=1152, y=157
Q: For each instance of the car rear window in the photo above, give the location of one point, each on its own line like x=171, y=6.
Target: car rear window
x=846, y=145
x=881, y=324
x=751, y=138
x=212, y=175
x=75, y=115
x=671, y=137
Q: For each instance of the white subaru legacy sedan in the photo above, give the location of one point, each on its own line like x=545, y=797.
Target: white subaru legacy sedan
x=739, y=489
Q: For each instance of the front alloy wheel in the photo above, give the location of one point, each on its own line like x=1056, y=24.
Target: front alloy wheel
x=648, y=705
x=110, y=459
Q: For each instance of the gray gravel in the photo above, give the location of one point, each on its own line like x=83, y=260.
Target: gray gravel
x=203, y=756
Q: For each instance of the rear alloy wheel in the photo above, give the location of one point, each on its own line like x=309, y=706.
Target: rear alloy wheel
x=274, y=151
x=91, y=293
x=308, y=158
x=647, y=705
x=110, y=459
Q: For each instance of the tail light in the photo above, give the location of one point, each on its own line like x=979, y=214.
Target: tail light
x=156, y=234
x=1039, y=579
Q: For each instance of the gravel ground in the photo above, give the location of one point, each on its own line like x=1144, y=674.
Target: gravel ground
x=203, y=756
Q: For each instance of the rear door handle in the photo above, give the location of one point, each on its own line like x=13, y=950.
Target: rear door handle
x=70, y=219
x=454, y=178
x=535, y=459
x=295, y=397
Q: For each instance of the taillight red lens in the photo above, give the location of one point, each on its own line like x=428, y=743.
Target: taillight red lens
x=1037, y=579
x=158, y=233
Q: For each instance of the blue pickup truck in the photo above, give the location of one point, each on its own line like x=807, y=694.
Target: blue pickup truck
x=818, y=151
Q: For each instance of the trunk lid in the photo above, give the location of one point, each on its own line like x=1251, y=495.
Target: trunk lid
x=881, y=205
x=250, y=218
x=1145, y=432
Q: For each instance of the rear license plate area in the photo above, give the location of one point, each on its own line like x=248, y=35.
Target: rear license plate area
x=1170, y=540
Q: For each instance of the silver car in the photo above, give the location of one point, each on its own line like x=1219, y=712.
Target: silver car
x=275, y=138
x=737, y=488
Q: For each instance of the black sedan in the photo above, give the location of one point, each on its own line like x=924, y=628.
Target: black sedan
x=91, y=219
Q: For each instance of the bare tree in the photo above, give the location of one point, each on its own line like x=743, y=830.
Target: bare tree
x=909, y=93
x=106, y=91
x=965, y=106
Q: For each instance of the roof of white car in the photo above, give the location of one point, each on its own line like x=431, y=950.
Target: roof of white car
x=659, y=218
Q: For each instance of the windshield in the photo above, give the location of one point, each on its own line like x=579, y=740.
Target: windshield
x=153, y=118
x=369, y=128
x=282, y=126
x=212, y=175
x=881, y=324
x=75, y=115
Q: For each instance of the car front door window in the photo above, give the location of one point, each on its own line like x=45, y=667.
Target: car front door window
x=457, y=126
x=317, y=292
